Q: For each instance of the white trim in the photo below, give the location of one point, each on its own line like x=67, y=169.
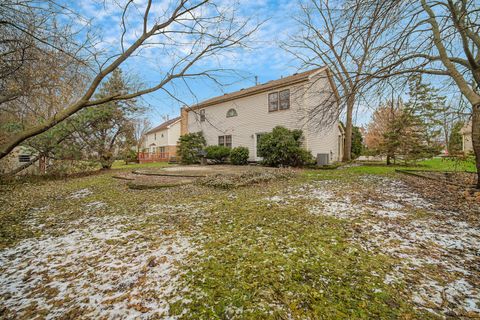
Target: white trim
x=255, y=138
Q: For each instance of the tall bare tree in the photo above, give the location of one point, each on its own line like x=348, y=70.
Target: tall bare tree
x=141, y=127
x=349, y=37
x=188, y=31
x=442, y=38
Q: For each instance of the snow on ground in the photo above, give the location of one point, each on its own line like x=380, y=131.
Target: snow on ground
x=100, y=268
x=438, y=254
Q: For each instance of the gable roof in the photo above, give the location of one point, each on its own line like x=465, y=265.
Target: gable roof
x=293, y=79
x=164, y=125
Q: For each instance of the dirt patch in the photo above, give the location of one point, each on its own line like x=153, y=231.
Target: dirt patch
x=461, y=179
x=218, y=176
x=247, y=178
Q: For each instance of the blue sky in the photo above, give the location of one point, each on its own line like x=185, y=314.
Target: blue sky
x=264, y=58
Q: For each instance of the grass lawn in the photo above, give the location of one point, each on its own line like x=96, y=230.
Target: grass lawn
x=120, y=164
x=329, y=244
x=448, y=165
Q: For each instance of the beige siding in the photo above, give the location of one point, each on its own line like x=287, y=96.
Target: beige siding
x=174, y=133
x=254, y=117
x=11, y=162
x=467, y=143
x=163, y=138
x=156, y=139
x=321, y=123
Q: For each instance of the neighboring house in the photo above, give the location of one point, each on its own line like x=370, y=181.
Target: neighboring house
x=21, y=156
x=160, y=143
x=466, y=131
x=299, y=101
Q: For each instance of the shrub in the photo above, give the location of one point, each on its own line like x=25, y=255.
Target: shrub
x=283, y=147
x=218, y=154
x=190, y=146
x=239, y=156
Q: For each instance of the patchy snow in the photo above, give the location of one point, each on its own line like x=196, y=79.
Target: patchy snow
x=436, y=244
x=105, y=270
x=95, y=205
x=82, y=193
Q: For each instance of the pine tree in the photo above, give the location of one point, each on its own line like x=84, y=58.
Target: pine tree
x=108, y=129
x=357, y=142
x=455, y=139
x=427, y=105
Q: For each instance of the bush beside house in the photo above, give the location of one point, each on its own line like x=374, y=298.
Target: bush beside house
x=239, y=156
x=283, y=147
x=190, y=146
x=218, y=154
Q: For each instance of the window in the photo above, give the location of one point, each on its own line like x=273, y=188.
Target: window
x=231, y=113
x=259, y=138
x=284, y=99
x=155, y=136
x=24, y=158
x=228, y=141
x=202, y=115
x=225, y=141
x=279, y=100
x=273, y=101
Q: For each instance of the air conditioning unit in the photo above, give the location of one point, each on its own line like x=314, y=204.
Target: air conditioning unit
x=322, y=159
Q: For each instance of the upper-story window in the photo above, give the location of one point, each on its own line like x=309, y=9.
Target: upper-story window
x=273, y=101
x=284, y=99
x=232, y=113
x=202, y=115
x=279, y=100
x=154, y=136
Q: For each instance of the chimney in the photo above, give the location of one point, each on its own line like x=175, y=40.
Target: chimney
x=256, y=80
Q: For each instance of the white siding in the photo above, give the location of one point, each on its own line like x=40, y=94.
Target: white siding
x=156, y=139
x=322, y=129
x=174, y=133
x=254, y=117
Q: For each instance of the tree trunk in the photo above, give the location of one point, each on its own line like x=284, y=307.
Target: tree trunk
x=476, y=139
x=106, y=160
x=347, y=152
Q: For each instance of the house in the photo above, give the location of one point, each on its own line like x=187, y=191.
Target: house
x=466, y=131
x=306, y=101
x=22, y=157
x=160, y=143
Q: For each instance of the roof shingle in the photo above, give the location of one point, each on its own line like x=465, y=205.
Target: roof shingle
x=164, y=125
x=295, y=78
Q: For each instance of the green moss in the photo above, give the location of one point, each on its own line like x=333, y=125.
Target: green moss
x=284, y=262
x=253, y=260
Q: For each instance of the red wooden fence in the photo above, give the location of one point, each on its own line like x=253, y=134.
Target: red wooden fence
x=144, y=157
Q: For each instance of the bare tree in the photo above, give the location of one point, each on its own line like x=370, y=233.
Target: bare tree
x=141, y=127
x=442, y=38
x=348, y=37
x=188, y=31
